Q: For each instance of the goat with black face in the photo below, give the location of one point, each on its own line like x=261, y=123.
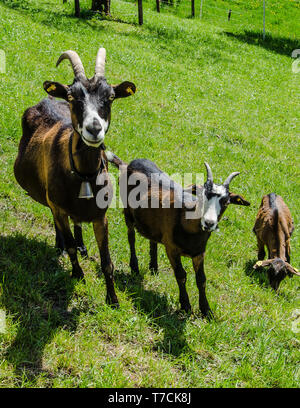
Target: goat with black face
x=181, y=235
x=62, y=151
x=273, y=229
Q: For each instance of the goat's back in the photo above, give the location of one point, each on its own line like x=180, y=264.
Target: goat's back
x=48, y=119
x=273, y=224
x=156, y=177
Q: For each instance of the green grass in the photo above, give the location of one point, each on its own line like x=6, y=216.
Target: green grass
x=208, y=90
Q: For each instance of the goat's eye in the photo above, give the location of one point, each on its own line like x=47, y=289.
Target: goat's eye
x=111, y=97
x=70, y=98
x=79, y=103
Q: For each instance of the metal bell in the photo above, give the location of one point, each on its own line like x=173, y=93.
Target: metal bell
x=86, y=190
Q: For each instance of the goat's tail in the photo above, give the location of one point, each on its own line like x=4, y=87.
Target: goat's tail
x=114, y=159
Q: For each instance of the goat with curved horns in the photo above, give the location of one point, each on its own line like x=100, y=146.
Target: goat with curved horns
x=62, y=150
x=181, y=235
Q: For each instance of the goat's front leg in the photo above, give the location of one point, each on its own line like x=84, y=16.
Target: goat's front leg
x=198, y=264
x=63, y=226
x=79, y=240
x=261, y=250
x=59, y=239
x=153, y=257
x=288, y=251
x=180, y=275
x=101, y=234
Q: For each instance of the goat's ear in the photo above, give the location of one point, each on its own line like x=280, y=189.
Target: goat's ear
x=291, y=269
x=124, y=89
x=56, y=89
x=260, y=264
x=237, y=199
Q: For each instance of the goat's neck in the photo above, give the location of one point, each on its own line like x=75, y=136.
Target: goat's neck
x=193, y=225
x=86, y=159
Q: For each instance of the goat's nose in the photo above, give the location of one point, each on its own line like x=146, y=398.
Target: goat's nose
x=209, y=224
x=94, y=128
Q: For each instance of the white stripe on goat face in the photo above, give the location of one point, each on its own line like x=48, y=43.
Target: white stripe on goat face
x=212, y=207
x=90, y=118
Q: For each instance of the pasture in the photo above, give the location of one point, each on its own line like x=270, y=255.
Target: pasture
x=208, y=90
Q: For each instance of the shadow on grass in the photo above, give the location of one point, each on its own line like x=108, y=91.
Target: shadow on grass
x=280, y=45
x=36, y=291
x=156, y=305
x=258, y=276
x=60, y=20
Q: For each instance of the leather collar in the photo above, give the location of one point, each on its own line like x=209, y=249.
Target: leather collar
x=84, y=177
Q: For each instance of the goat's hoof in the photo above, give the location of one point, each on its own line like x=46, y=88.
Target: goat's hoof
x=186, y=308
x=135, y=271
x=61, y=252
x=153, y=270
x=115, y=305
x=78, y=274
x=207, y=314
x=79, y=278
x=83, y=251
x=112, y=301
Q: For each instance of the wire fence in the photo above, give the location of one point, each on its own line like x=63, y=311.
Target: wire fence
x=206, y=8
x=174, y=6
x=249, y=15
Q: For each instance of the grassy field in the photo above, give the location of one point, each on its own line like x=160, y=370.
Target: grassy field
x=208, y=90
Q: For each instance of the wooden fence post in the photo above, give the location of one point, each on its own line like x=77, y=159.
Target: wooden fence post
x=140, y=7
x=264, y=18
x=77, y=8
x=157, y=6
x=201, y=6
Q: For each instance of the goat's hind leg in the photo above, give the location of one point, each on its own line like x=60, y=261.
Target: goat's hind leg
x=63, y=226
x=153, y=257
x=101, y=234
x=288, y=250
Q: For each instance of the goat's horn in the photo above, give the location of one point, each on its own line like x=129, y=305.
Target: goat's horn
x=100, y=62
x=76, y=63
x=229, y=178
x=291, y=269
x=209, y=173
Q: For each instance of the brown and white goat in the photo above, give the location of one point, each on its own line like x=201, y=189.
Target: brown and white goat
x=273, y=228
x=62, y=146
x=173, y=225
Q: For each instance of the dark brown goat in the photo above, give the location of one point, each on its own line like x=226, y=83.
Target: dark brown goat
x=273, y=228
x=62, y=149
x=173, y=225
